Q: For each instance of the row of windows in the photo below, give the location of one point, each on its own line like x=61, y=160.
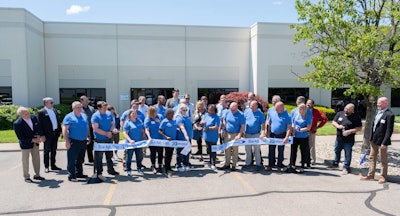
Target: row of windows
x=68, y=95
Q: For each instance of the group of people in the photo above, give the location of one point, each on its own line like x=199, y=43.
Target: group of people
x=178, y=119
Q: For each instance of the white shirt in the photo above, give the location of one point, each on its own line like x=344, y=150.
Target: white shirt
x=53, y=118
x=143, y=108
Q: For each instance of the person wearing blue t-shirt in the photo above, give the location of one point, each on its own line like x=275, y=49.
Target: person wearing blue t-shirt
x=160, y=105
x=151, y=125
x=103, y=125
x=301, y=124
x=234, y=124
x=75, y=130
x=279, y=123
x=185, y=133
x=255, y=128
x=133, y=132
x=167, y=130
x=210, y=123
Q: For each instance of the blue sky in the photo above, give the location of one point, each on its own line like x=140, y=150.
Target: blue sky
x=241, y=13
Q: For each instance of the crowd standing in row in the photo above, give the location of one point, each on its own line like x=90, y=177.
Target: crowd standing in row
x=178, y=119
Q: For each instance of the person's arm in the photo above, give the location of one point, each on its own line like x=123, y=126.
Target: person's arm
x=127, y=137
x=323, y=119
x=147, y=133
x=337, y=125
x=65, y=129
x=241, y=132
x=100, y=131
x=183, y=129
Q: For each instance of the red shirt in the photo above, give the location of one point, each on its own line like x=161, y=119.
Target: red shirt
x=317, y=116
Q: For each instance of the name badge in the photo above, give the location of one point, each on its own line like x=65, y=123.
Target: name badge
x=340, y=119
x=383, y=121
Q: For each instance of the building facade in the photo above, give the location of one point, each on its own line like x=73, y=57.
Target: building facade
x=118, y=62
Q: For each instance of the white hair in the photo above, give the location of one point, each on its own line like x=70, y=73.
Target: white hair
x=179, y=110
x=21, y=109
x=75, y=103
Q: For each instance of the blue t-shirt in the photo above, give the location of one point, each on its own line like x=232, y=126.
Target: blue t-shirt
x=234, y=121
x=160, y=110
x=185, y=120
x=298, y=121
x=254, y=120
x=134, y=129
x=169, y=128
x=279, y=122
x=125, y=116
x=104, y=121
x=211, y=120
x=153, y=125
x=78, y=126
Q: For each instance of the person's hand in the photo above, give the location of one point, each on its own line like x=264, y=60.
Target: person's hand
x=132, y=141
x=346, y=133
x=168, y=138
x=67, y=145
x=187, y=138
x=238, y=137
x=109, y=134
x=115, y=131
x=285, y=140
x=383, y=147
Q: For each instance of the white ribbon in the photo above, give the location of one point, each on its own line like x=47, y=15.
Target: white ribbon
x=251, y=141
x=144, y=143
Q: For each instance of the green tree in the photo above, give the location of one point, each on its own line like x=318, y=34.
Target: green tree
x=353, y=44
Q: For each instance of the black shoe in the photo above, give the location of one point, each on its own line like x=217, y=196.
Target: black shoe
x=38, y=178
x=225, y=167
x=55, y=168
x=28, y=180
x=46, y=170
x=233, y=169
x=114, y=173
x=144, y=167
x=81, y=176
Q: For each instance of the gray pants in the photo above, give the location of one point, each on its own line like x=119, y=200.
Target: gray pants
x=253, y=149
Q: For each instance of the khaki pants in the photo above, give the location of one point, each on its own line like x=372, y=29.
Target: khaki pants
x=35, y=160
x=231, y=152
x=372, y=160
x=311, y=144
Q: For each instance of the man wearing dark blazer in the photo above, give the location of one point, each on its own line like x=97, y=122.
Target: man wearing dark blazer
x=50, y=123
x=380, y=140
x=29, y=134
x=174, y=101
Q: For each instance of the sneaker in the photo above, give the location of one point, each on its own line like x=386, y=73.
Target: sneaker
x=187, y=168
x=213, y=167
x=81, y=176
x=258, y=168
x=140, y=172
x=38, y=178
x=153, y=169
x=28, y=180
x=345, y=172
x=101, y=177
x=225, y=167
x=129, y=173
x=72, y=179
x=181, y=169
x=233, y=168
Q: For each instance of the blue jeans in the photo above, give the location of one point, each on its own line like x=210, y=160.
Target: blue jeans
x=99, y=159
x=75, y=157
x=347, y=154
x=129, y=154
x=271, y=152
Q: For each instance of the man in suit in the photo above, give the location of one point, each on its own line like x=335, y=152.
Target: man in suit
x=50, y=123
x=29, y=134
x=380, y=139
x=174, y=101
x=88, y=110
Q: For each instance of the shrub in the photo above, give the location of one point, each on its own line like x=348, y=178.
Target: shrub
x=8, y=114
x=241, y=98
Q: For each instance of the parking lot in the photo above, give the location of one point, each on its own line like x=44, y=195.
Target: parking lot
x=318, y=191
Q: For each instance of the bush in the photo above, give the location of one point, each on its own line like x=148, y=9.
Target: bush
x=241, y=98
x=8, y=114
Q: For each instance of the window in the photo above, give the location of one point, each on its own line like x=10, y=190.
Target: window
x=5, y=95
x=213, y=94
x=69, y=95
x=288, y=95
x=151, y=94
x=395, y=97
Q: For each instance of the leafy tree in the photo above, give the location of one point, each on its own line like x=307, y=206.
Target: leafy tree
x=354, y=44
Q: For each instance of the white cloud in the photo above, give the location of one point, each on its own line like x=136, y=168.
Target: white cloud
x=76, y=9
x=277, y=2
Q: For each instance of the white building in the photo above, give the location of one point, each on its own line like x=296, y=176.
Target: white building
x=119, y=62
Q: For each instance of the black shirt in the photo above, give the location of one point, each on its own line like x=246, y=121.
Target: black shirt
x=349, y=122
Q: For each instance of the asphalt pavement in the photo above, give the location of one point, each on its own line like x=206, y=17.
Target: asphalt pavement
x=201, y=191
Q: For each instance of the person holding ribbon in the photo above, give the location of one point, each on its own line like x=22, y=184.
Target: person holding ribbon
x=197, y=127
x=151, y=125
x=133, y=132
x=234, y=123
x=210, y=123
x=279, y=123
x=255, y=122
x=185, y=133
x=167, y=130
x=301, y=124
